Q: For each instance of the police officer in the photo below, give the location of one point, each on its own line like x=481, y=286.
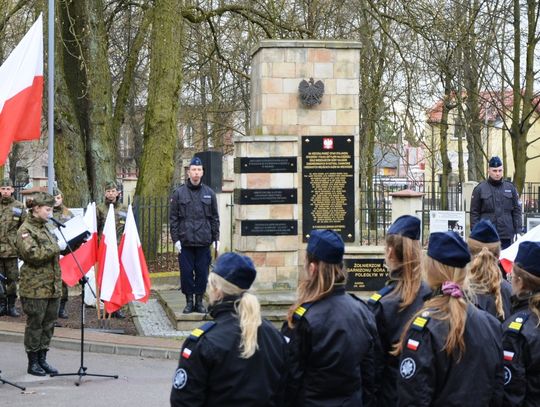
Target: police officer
x=402, y=296
x=194, y=223
x=451, y=352
x=333, y=342
x=521, y=337
x=12, y=214
x=497, y=200
x=40, y=282
x=239, y=358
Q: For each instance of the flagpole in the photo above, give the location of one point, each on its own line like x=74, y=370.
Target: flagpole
x=50, y=168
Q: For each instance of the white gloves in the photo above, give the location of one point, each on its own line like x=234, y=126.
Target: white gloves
x=216, y=245
x=178, y=247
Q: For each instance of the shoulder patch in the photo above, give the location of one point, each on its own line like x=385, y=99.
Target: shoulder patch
x=516, y=325
x=200, y=331
x=381, y=293
x=301, y=310
x=17, y=211
x=419, y=323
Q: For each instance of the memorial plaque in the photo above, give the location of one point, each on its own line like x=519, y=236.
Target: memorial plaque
x=365, y=274
x=328, y=185
x=248, y=165
x=269, y=227
x=265, y=196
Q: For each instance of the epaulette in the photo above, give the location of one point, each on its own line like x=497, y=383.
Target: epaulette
x=516, y=325
x=200, y=331
x=420, y=322
x=376, y=297
x=301, y=310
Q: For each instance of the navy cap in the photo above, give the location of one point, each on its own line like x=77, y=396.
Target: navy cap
x=485, y=232
x=448, y=248
x=326, y=245
x=406, y=225
x=195, y=161
x=495, y=162
x=236, y=269
x=527, y=257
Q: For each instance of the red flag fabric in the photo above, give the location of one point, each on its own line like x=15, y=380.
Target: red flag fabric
x=21, y=91
x=86, y=254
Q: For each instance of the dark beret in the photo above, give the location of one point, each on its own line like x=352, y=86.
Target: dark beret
x=406, y=225
x=495, y=162
x=448, y=248
x=528, y=257
x=236, y=269
x=485, y=232
x=195, y=161
x=326, y=245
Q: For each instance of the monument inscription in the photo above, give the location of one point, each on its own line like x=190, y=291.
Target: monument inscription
x=365, y=274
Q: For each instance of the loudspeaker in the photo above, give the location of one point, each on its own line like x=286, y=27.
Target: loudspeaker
x=213, y=169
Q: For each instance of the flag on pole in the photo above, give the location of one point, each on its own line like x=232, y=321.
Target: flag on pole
x=509, y=254
x=21, y=91
x=86, y=254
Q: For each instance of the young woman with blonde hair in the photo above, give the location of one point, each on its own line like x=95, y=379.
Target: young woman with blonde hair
x=400, y=298
x=450, y=353
x=237, y=359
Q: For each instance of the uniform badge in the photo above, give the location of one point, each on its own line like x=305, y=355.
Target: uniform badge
x=186, y=353
x=412, y=344
x=507, y=375
x=24, y=235
x=180, y=379
x=508, y=356
x=407, y=369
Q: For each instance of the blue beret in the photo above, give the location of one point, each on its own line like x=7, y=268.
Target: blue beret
x=527, y=257
x=485, y=232
x=326, y=245
x=195, y=161
x=236, y=269
x=495, y=162
x=406, y=225
x=448, y=248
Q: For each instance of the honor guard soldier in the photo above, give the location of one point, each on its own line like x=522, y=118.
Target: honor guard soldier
x=238, y=359
x=491, y=292
x=12, y=214
x=334, y=349
x=450, y=354
x=403, y=295
x=521, y=337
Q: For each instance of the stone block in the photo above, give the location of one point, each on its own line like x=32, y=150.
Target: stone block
x=347, y=117
x=323, y=71
x=256, y=211
x=266, y=274
x=290, y=85
x=284, y=70
x=275, y=259
x=259, y=258
x=265, y=70
x=345, y=70
x=282, y=211
x=283, y=180
x=309, y=117
x=270, y=55
x=271, y=86
x=276, y=101
x=328, y=117
x=289, y=116
x=320, y=55
x=271, y=117
x=297, y=55
x=259, y=180
x=343, y=102
x=347, y=86
x=304, y=71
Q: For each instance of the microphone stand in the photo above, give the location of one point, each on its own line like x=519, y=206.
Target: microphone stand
x=82, y=369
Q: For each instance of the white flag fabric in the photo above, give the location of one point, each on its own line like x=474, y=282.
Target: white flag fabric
x=109, y=263
x=509, y=254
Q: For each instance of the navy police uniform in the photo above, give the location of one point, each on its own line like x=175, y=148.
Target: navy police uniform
x=486, y=301
x=211, y=372
x=429, y=377
x=333, y=353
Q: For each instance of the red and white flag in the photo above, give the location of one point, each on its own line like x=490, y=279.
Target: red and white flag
x=508, y=255
x=21, y=91
x=86, y=254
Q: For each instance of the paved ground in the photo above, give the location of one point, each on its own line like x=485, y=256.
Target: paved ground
x=151, y=319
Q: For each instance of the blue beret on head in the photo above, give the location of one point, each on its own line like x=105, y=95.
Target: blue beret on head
x=406, y=225
x=236, y=269
x=495, y=162
x=326, y=245
x=527, y=257
x=485, y=232
x=448, y=248
x=195, y=161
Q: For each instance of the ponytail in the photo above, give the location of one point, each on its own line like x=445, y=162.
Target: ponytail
x=531, y=284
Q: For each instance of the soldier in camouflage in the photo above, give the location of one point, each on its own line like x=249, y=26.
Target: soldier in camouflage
x=40, y=282
x=12, y=213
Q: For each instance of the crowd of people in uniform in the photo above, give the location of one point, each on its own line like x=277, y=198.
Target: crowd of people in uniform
x=447, y=329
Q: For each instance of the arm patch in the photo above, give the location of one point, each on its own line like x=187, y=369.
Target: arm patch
x=375, y=298
x=197, y=333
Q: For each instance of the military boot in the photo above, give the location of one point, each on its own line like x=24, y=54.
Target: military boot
x=189, y=304
x=11, y=310
x=3, y=307
x=199, y=307
x=33, y=366
x=42, y=360
x=62, y=313
x=118, y=314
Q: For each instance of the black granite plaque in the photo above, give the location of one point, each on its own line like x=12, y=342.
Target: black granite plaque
x=328, y=185
x=365, y=274
x=247, y=165
x=265, y=196
x=269, y=227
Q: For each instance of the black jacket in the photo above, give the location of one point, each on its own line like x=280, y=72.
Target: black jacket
x=429, y=377
x=521, y=343
x=390, y=324
x=486, y=302
x=211, y=372
x=334, y=353
x=498, y=202
x=194, y=215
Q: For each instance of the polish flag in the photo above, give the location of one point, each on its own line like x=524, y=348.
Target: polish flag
x=86, y=254
x=508, y=255
x=508, y=355
x=412, y=344
x=21, y=91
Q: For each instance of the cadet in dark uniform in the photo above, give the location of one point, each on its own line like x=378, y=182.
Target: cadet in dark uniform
x=239, y=358
x=403, y=295
x=521, y=337
x=491, y=292
x=451, y=353
x=62, y=214
x=12, y=213
x=40, y=282
x=334, y=349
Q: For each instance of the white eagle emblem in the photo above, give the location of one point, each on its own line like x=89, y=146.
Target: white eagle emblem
x=407, y=368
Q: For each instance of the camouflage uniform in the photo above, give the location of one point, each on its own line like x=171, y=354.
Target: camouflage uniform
x=12, y=214
x=62, y=214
